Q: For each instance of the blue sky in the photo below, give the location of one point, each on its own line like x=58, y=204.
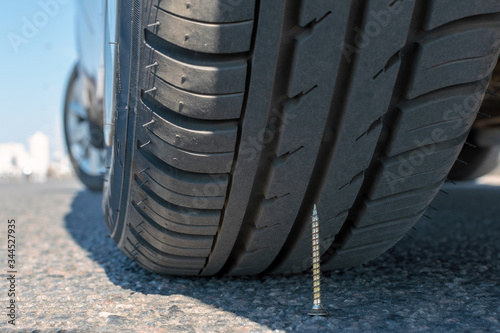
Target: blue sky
x=33, y=79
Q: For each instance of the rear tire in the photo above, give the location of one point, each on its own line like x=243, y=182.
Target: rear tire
x=236, y=117
x=89, y=169
x=477, y=162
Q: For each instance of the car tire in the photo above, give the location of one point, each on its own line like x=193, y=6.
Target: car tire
x=79, y=133
x=234, y=118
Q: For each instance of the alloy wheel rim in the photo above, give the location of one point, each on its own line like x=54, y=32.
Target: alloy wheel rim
x=87, y=157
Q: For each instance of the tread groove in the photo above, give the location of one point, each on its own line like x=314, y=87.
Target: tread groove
x=450, y=62
x=191, y=92
x=199, y=21
x=193, y=57
x=376, y=164
x=327, y=148
x=146, y=244
x=238, y=139
x=186, y=177
x=282, y=76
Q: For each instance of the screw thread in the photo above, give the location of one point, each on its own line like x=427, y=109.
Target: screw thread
x=317, y=309
x=316, y=259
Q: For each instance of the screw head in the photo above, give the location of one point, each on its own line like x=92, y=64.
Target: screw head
x=317, y=310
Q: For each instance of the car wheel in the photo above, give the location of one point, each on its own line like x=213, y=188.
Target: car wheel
x=83, y=138
x=234, y=118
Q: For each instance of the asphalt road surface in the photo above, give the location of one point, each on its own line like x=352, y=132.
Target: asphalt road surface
x=445, y=276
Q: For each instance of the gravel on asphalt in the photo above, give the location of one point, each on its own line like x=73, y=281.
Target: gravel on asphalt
x=444, y=276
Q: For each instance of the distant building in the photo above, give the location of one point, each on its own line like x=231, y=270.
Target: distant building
x=14, y=160
x=39, y=151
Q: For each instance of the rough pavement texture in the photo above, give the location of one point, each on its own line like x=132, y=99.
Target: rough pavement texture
x=445, y=277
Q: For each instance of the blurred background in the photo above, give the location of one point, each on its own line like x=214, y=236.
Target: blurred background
x=37, y=53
